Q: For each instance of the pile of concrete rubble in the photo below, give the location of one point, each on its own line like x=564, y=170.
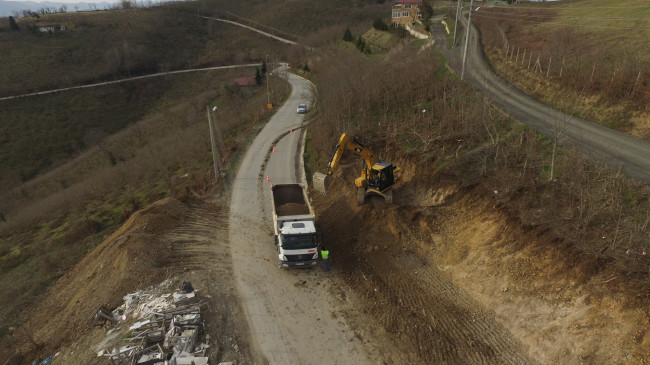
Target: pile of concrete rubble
x=169, y=331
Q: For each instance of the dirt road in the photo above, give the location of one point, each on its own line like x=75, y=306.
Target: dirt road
x=613, y=147
x=292, y=317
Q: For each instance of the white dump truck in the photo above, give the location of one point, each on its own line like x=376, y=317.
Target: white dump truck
x=294, y=226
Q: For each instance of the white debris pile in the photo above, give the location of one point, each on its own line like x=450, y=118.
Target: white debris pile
x=169, y=326
x=147, y=301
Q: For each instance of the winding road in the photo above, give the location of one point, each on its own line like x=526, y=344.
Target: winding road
x=617, y=149
x=292, y=315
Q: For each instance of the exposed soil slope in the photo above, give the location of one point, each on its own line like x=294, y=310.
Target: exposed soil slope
x=451, y=279
x=168, y=239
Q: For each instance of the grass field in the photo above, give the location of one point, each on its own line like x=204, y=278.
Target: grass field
x=593, y=57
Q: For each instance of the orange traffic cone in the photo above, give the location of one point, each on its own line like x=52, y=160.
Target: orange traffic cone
x=274, y=150
x=268, y=179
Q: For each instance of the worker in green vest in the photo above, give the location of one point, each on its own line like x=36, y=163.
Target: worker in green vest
x=325, y=254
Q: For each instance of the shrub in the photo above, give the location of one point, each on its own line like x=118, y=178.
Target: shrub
x=379, y=24
x=347, y=36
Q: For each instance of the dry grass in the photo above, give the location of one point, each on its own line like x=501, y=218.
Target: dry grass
x=596, y=213
x=75, y=165
x=593, y=57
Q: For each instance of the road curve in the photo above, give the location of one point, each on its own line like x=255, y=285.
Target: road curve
x=617, y=149
x=293, y=317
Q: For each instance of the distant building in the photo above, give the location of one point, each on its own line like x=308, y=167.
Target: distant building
x=51, y=28
x=246, y=85
x=406, y=11
x=246, y=81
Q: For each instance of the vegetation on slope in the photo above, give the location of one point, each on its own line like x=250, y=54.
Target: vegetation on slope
x=125, y=146
x=77, y=164
x=412, y=112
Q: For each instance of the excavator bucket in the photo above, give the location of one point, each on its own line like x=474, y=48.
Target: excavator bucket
x=321, y=182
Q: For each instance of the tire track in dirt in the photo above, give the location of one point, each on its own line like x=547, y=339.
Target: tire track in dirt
x=200, y=238
x=427, y=314
x=382, y=255
x=200, y=248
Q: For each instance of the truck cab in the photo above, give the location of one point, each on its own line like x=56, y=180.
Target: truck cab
x=297, y=244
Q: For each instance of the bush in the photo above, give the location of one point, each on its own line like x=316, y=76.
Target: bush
x=380, y=25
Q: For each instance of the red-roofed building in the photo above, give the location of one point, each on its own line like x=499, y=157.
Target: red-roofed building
x=246, y=81
x=406, y=11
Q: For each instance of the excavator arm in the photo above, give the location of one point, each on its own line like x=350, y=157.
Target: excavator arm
x=345, y=144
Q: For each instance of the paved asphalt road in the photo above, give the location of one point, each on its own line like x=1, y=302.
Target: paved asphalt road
x=612, y=147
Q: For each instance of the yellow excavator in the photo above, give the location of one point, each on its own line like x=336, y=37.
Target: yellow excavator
x=377, y=177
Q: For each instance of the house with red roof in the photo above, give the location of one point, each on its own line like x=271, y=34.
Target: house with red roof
x=246, y=81
x=406, y=12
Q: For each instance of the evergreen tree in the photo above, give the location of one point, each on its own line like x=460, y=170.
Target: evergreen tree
x=12, y=24
x=258, y=76
x=361, y=44
x=348, y=35
x=264, y=69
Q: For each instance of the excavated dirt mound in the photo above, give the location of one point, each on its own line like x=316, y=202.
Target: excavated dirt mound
x=292, y=209
x=168, y=239
x=448, y=278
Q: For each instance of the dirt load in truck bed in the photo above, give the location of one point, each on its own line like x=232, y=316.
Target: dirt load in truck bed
x=291, y=209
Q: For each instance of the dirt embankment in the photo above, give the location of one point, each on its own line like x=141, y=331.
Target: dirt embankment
x=449, y=278
x=168, y=239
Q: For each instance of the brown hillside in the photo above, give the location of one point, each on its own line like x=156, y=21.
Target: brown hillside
x=131, y=258
x=444, y=264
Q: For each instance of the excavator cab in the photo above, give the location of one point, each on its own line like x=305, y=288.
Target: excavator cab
x=381, y=176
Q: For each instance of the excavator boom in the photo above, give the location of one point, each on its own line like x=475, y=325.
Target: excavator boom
x=355, y=146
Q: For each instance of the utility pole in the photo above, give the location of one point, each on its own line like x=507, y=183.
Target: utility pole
x=458, y=7
x=214, y=147
x=222, y=145
x=469, y=25
x=268, y=100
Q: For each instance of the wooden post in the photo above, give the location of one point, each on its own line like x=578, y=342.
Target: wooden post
x=517, y=58
x=548, y=69
x=523, y=57
x=530, y=57
x=636, y=83
x=562, y=67
x=591, y=78
x=538, y=66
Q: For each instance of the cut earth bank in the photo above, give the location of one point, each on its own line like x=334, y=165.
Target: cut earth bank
x=444, y=272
